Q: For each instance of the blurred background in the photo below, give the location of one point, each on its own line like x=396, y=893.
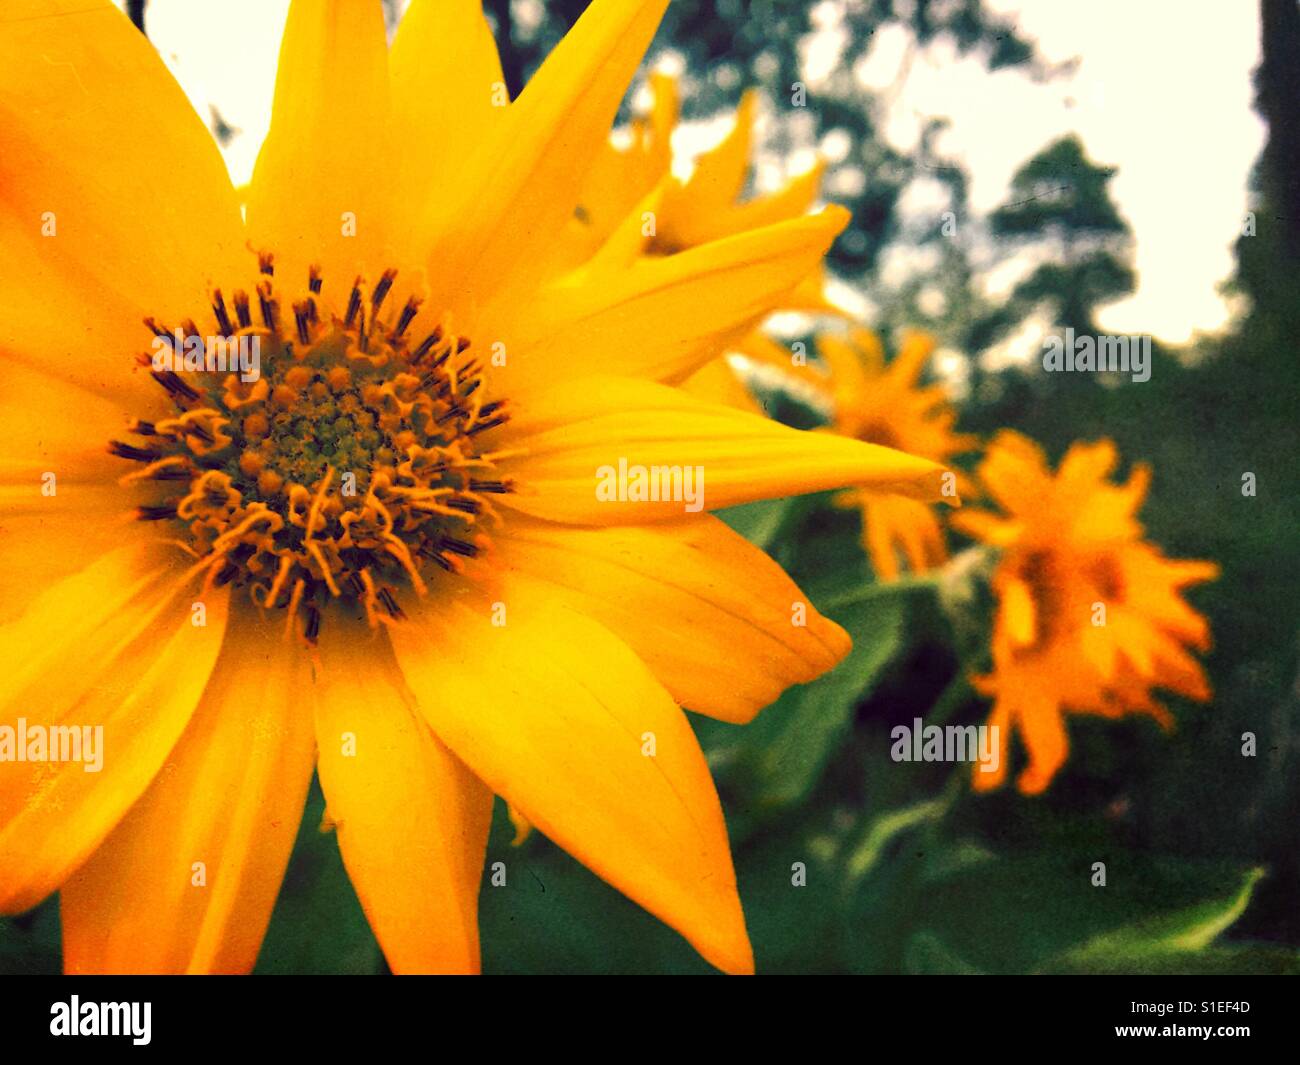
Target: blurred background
x=1013, y=167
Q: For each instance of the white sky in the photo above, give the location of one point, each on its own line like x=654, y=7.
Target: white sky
x=1163, y=90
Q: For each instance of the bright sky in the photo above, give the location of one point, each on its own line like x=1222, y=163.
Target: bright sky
x=1162, y=92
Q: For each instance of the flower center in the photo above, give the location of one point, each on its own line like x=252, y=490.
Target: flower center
x=1040, y=572
x=314, y=458
x=876, y=431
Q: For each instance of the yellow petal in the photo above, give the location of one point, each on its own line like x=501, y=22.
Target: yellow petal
x=320, y=193
x=578, y=440
x=44, y=539
x=848, y=365
x=913, y=355
x=114, y=201
x=999, y=723
x=1043, y=728
x=447, y=90
x=718, y=622
x=521, y=826
x=714, y=185
x=991, y=529
x=1015, y=472
x=660, y=317
x=488, y=235
x=412, y=821
x=717, y=382
x=878, y=543
x=59, y=501
x=664, y=113
x=811, y=296
x=555, y=714
x=699, y=227
x=230, y=797
x=113, y=646
x=894, y=522
x=790, y=201
x=49, y=424
x=1019, y=615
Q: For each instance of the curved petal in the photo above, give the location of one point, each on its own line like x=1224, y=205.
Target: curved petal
x=717, y=621
x=114, y=201
x=879, y=544
x=658, y=317
x=789, y=201
x=893, y=522
x=224, y=810
x=1042, y=726
x=320, y=193
x=582, y=447
x=114, y=647
x=555, y=714
x=412, y=821
x=488, y=237
x=715, y=184
x=990, y=776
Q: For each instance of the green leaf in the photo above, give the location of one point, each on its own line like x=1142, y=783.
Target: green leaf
x=1041, y=912
x=791, y=740
x=926, y=955
x=1253, y=959
x=885, y=828
x=318, y=926
x=758, y=522
x=30, y=945
x=1191, y=928
x=545, y=913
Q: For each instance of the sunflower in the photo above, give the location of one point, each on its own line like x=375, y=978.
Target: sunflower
x=1091, y=617
x=384, y=555
x=882, y=403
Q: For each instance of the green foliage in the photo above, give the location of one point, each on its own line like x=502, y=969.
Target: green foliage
x=790, y=743
x=1061, y=204
x=1060, y=194
x=30, y=945
x=318, y=925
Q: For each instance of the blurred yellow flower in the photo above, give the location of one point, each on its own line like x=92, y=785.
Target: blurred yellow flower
x=883, y=403
x=468, y=615
x=1090, y=618
x=631, y=189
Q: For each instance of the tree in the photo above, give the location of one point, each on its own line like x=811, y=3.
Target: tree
x=1061, y=207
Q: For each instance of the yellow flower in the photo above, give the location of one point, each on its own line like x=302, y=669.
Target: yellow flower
x=385, y=556
x=706, y=206
x=882, y=403
x=1090, y=617
x=632, y=186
